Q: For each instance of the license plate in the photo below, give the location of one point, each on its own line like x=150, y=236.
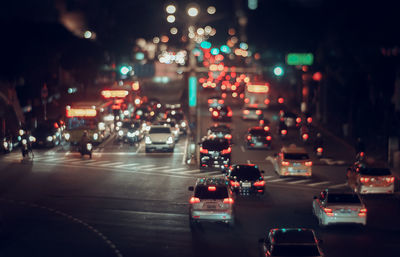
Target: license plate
x=345, y=210
x=296, y=164
x=259, y=143
x=246, y=184
x=211, y=206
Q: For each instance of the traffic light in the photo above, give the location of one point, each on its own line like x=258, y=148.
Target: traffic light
x=205, y=44
x=278, y=71
x=125, y=69
x=214, y=51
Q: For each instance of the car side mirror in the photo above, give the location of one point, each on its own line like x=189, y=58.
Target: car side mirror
x=191, y=188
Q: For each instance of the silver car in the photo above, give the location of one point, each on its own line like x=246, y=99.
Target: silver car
x=160, y=138
x=212, y=201
x=339, y=206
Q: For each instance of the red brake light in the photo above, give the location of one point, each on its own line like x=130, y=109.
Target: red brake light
x=283, y=131
x=202, y=150
x=363, y=212
x=267, y=101
x=298, y=119
x=328, y=211
x=223, y=95
x=210, y=101
x=390, y=179
x=220, y=101
x=235, y=183
x=308, y=163
x=309, y=120
x=248, y=137
x=246, y=112
x=269, y=138
x=305, y=136
x=194, y=200
x=215, y=113
x=364, y=180
x=280, y=100
x=212, y=188
x=285, y=163
x=266, y=128
x=229, y=113
x=228, y=200
x=261, y=122
x=228, y=136
x=320, y=149
x=259, y=183
x=226, y=151
x=258, y=112
x=246, y=100
x=362, y=154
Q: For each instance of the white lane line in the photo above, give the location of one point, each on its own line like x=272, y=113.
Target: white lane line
x=193, y=171
x=339, y=185
x=319, y=183
x=47, y=159
x=211, y=173
x=67, y=153
x=138, y=149
x=164, y=167
x=297, y=181
x=242, y=148
x=127, y=165
x=268, y=177
x=147, y=166
x=279, y=180
x=176, y=169
x=185, y=151
x=112, y=164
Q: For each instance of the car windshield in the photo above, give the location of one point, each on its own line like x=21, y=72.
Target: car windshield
x=246, y=173
x=343, y=198
x=296, y=156
x=375, y=172
x=215, y=145
x=295, y=250
x=162, y=130
x=203, y=192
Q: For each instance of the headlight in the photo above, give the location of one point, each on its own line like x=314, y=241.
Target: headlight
x=24, y=141
x=147, y=140
x=67, y=136
x=95, y=136
x=32, y=139
x=119, y=124
x=129, y=134
x=136, y=133
x=170, y=140
x=89, y=146
x=126, y=112
x=116, y=128
x=120, y=133
x=102, y=126
x=21, y=132
x=5, y=145
x=49, y=138
x=183, y=124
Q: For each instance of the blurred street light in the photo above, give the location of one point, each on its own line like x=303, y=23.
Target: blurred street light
x=170, y=9
x=87, y=34
x=211, y=10
x=171, y=18
x=193, y=11
x=173, y=31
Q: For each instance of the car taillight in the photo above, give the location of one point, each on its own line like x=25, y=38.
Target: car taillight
x=320, y=149
x=308, y=163
x=228, y=136
x=298, y=119
x=269, y=138
x=283, y=131
x=246, y=100
x=246, y=112
x=362, y=212
x=280, y=100
x=223, y=95
x=259, y=183
x=309, y=120
x=210, y=101
x=229, y=113
x=267, y=101
x=285, y=163
x=305, y=136
x=235, y=183
x=390, y=179
x=223, y=87
x=233, y=87
x=202, y=150
x=212, y=188
x=266, y=128
x=194, y=200
x=364, y=180
x=226, y=151
x=328, y=211
x=220, y=101
x=258, y=112
x=248, y=137
x=362, y=154
x=228, y=200
x=261, y=122
x=215, y=113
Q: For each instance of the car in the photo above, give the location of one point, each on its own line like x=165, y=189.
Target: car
x=291, y=242
x=122, y=128
x=258, y=138
x=246, y=179
x=222, y=113
x=334, y=206
x=159, y=137
x=293, y=161
x=212, y=201
x=175, y=112
x=370, y=179
x=46, y=134
x=252, y=113
x=265, y=123
x=135, y=133
x=290, y=119
x=215, y=152
x=214, y=102
x=220, y=131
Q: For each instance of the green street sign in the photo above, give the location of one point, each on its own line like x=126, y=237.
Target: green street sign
x=192, y=91
x=300, y=59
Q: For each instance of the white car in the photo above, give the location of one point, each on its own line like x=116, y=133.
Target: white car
x=160, y=138
x=339, y=206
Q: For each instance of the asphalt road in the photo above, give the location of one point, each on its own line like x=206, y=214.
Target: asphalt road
x=125, y=202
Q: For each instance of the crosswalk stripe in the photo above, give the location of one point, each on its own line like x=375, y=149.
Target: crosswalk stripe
x=193, y=171
x=100, y=162
x=211, y=173
x=297, y=181
x=177, y=169
x=164, y=167
x=127, y=165
x=319, y=183
x=147, y=166
x=112, y=164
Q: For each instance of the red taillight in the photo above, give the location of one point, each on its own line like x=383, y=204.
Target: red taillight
x=223, y=87
x=267, y=101
x=258, y=112
x=249, y=138
x=328, y=211
x=308, y=163
x=228, y=136
x=280, y=100
x=229, y=114
x=320, y=149
x=223, y=95
x=228, y=200
x=364, y=180
x=233, y=87
x=305, y=136
x=215, y=113
x=212, y=188
x=298, y=119
x=363, y=212
x=246, y=100
x=226, y=151
x=202, y=150
x=390, y=180
x=194, y=200
x=220, y=101
x=235, y=183
x=210, y=101
x=309, y=120
x=285, y=163
x=268, y=138
x=246, y=112
x=259, y=183
x=283, y=131
x=261, y=122
x=266, y=128
x=234, y=94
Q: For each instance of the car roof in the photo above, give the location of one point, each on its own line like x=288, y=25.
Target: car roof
x=292, y=236
x=217, y=181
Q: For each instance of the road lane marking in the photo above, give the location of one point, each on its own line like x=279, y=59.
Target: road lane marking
x=176, y=169
x=192, y=171
x=112, y=164
x=319, y=183
x=147, y=166
x=127, y=165
x=268, y=177
x=139, y=148
x=242, y=148
x=279, y=180
x=101, y=162
x=297, y=181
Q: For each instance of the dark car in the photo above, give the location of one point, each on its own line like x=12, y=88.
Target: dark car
x=246, y=179
x=215, y=152
x=257, y=138
x=135, y=132
x=175, y=112
x=46, y=135
x=221, y=113
x=220, y=131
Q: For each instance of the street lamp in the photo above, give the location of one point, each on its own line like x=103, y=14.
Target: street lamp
x=171, y=18
x=192, y=11
x=170, y=9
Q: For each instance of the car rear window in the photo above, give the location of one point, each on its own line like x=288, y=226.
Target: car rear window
x=215, y=145
x=343, y=198
x=296, y=156
x=155, y=130
x=202, y=192
x=246, y=173
x=375, y=172
x=295, y=250
x=258, y=132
